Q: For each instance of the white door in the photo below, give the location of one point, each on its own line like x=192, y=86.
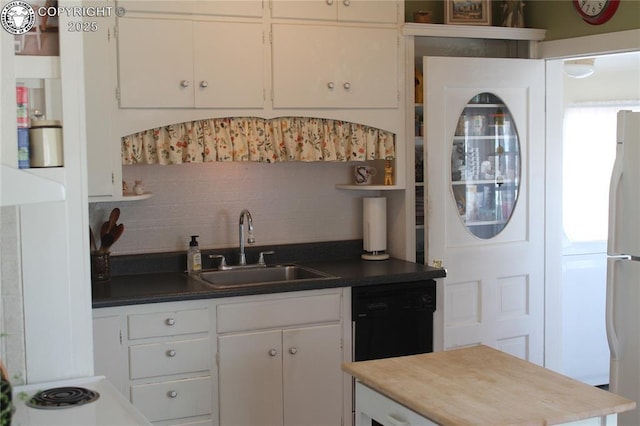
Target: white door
x=250, y=378
x=623, y=317
x=312, y=375
x=494, y=290
x=220, y=50
x=155, y=63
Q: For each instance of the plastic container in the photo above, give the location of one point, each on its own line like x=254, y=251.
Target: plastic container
x=194, y=257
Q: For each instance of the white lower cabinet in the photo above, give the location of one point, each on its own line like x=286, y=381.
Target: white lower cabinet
x=279, y=371
x=161, y=357
x=279, y=359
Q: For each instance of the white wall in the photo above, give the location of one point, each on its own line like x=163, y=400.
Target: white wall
x=291, y=202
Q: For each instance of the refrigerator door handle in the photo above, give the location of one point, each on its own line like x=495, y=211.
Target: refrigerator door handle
x=616, y=177
x=612, y=336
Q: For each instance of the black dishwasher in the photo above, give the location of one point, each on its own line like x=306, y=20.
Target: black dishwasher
x=393, y=319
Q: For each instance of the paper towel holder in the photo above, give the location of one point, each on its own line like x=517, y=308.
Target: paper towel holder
x=374, y=228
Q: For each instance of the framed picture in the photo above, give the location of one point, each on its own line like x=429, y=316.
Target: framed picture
x=467, y=12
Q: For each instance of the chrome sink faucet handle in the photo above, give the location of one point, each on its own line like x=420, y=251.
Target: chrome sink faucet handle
x=250, y=240
x=223, y=261
x=261, y=261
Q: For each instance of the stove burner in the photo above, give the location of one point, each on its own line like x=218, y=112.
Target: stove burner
x=63, y=397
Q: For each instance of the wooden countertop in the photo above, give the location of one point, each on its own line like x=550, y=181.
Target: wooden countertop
x=481, y=385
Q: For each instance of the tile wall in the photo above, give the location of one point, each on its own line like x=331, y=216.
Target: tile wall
x=290, y=202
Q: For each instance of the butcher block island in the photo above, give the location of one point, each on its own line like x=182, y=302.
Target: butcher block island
x=474, y=386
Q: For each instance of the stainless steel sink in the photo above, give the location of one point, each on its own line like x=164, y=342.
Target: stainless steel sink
x=261, y=276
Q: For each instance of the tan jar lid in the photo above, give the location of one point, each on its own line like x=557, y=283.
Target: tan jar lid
x=46, y=123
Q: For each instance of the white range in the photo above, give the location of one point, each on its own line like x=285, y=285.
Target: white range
x=102, y=404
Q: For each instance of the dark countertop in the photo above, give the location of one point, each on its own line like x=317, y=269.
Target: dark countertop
x=176, y=286
x=127, y=288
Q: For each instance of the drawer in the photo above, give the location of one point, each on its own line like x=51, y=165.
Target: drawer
x=276, y=313
x=384, y=410
x=161, y=359
x=174, y=323
x=173, y=399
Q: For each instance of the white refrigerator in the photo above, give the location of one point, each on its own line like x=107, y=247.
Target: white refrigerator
x=623, y=266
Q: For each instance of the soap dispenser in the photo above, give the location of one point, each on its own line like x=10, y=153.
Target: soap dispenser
x=194, y=257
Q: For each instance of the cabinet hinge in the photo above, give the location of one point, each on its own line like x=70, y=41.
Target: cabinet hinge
x=117, y=93
x=120, y=333
x=217, y=358
x=115, y=32
x=113, y=180
x=341, y=343
x=270, y=37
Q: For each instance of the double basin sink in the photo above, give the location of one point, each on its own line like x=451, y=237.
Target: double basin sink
x=260, y=276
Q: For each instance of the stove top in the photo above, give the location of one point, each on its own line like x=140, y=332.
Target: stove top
x=62, y=397
x=76, y=402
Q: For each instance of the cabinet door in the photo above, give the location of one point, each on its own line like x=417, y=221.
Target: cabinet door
x=368, y=11
x=219, y=7
x=342, y=10
x=155, y=63
x=339, y=67
x=109, y=358
x=103, y=150
x=312, y=375
x=250, y=378
x=228, y=64
x=324, y=10
x=494, y=291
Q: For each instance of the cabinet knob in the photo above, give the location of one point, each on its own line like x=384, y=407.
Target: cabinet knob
x=346, y=2
x=172, y=394
x=171, y=353
x=184, y=83
x=293, y=350
x=330, y=85
x=170, y=321
x=204, y=84
x=329, y=2
x=347, y=86
x=273, y=352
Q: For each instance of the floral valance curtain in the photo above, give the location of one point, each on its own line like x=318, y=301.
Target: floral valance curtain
x=258, y=139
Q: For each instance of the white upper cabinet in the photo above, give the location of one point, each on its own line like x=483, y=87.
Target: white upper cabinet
x=251, y=8
x=334, y=66
x=337, y=10
x=179, y=63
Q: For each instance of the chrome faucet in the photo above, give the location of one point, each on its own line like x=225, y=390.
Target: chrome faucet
x=250, y=239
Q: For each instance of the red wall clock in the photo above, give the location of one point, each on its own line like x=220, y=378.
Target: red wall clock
x=596, y=12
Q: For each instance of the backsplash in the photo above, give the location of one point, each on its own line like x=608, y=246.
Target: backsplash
x=292, y=202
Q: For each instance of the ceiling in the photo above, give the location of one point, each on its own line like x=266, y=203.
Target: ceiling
x=618, y=61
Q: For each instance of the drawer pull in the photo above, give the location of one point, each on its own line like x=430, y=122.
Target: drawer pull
x=172, y=394
x=170, y=321
x=273, y=352
x=293, y=350
x=171, y=353
x=394, y=420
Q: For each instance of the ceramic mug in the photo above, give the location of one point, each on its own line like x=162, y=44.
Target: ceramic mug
x=364, y=174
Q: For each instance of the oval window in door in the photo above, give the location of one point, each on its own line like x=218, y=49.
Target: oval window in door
x=485, y=165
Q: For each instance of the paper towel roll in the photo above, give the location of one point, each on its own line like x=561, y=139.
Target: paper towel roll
x=374, y=221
